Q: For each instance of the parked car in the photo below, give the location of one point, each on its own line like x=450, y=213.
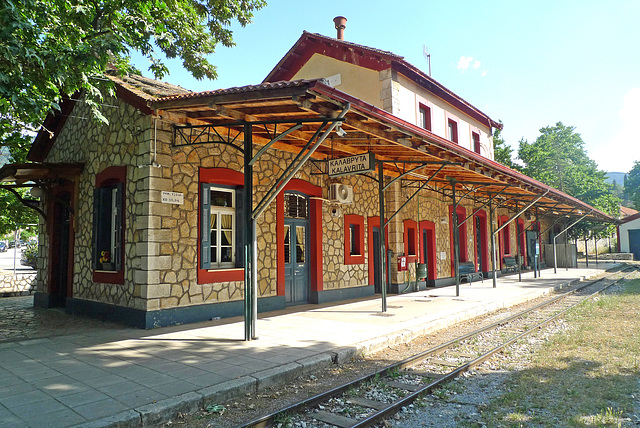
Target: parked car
x=12, y=244
x=3, y=247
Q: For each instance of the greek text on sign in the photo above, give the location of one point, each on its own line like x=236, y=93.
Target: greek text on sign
x=352, y=165
x=172, y=198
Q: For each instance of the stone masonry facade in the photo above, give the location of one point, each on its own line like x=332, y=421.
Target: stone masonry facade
x=161, y=240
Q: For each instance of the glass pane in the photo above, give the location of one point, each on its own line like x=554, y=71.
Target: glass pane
x=214, y=254
x=220, y=198
x=300, y=238
x=226, y=223
x=295, y=206
x=227, y=254
x=287, y=244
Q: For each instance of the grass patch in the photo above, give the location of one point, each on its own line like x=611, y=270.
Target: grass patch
x=583, y=377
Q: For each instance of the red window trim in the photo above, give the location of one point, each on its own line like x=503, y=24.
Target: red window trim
x=371, y=223
x=108, y=176
x=430, y=258
x=476, y=143
x=410, y=233
x=454, y=130
x=358, y=222
x=315, y=233
x=462, y=235
x=225, y=177
x=428, y=126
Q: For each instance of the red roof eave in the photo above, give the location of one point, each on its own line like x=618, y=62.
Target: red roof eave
x=383, y=115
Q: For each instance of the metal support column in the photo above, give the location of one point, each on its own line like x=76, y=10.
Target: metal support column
x=456, y=239
x=537, y=271
x=494, y=260
x=586, y=249
x=249, y=238
x=518, y=249
x=381, y=261
x=595, y=245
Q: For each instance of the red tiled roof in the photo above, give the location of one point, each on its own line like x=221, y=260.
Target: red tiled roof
x=375, y=59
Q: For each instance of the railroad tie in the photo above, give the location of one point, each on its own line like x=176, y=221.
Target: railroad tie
x=401, y=385
x=365, y=402
x=429, y=375
x=333, y=419
x=444, y=363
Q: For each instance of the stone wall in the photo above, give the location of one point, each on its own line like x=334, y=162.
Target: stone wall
x=161, y=240
x=16, y=285
x=125, y=141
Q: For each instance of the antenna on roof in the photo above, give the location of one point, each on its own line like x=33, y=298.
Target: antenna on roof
x=427, y=56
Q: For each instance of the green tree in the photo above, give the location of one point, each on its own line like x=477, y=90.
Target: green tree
x=52, y=48
x=557, y=158
x=502, y=152
x=632, y=185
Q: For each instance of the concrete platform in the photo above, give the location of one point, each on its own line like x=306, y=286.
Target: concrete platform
x=103, y=377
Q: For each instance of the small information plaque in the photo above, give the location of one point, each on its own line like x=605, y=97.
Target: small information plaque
x=172, y=198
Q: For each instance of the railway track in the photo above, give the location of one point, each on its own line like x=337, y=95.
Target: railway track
x=357, y=404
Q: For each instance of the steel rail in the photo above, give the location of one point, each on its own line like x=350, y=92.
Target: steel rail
x=410, y=398
x=392, y=408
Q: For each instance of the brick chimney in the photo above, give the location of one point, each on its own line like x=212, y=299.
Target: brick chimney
x=341, y=23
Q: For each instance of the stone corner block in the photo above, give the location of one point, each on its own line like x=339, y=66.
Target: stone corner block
x=344, y=354
x=277, y=375
x=227, y=390
x=315, y=362
x=156, y=413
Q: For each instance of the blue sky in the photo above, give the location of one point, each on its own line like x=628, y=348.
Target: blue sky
x=529, y=64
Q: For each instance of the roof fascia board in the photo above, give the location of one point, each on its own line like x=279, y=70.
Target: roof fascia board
x=386, y=117
x=442, y=92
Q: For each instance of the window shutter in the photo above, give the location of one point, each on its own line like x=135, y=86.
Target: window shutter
x=119, y=215
x=240, y=213
x=96, y=215
x=205, y=226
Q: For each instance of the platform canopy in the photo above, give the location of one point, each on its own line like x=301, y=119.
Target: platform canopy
x=218, y=116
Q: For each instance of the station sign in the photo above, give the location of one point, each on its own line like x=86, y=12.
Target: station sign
x=356, y=164
x=172, y=198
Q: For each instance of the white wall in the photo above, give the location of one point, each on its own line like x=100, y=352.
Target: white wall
x=624, y=233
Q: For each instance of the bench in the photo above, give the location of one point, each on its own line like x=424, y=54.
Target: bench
x=510, y=265
x=467, y=270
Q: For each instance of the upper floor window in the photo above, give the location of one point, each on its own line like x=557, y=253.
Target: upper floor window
x=424, y=117
x=452, y=129
x=475, y=137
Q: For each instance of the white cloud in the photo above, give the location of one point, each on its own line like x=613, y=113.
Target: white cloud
x=464, y=62
x=623, y=148
x=476, y=64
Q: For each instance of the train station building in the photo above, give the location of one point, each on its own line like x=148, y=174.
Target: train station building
x=347, y=172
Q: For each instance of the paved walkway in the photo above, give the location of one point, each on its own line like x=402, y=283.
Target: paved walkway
x=101, y=374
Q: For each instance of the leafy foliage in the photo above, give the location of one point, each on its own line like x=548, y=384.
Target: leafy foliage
x=56, y=48
x=12, y=212
x=52, y=48
x=558, y=158
x=502, y=152
x=632, y=185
